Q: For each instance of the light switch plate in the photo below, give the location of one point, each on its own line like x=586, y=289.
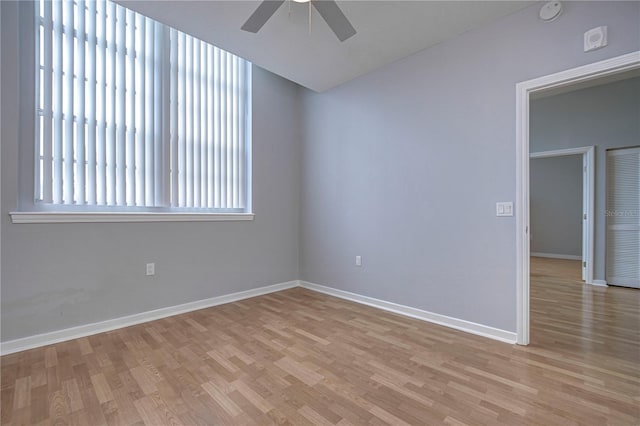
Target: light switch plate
x=504, y=208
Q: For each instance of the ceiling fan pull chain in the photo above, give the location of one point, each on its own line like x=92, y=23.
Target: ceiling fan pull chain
x=289, y=12
x=310, y=17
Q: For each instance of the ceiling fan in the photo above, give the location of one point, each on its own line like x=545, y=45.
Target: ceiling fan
x=328, y=9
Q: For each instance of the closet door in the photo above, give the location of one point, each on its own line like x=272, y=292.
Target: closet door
x=623, y=217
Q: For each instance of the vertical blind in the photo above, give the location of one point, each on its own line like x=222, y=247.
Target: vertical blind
x=132, y=113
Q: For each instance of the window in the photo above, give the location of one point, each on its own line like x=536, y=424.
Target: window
x=135, y=116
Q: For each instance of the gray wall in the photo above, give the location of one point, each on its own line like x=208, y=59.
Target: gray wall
x=56, y=276
x=404, y=166
x=556, y=205
x=606, y=116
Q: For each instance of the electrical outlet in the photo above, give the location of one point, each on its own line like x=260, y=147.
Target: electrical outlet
x=358, y=260
x=151, y=268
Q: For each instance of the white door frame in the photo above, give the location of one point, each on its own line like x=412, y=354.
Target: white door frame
x=524, y=89
x=588, y=201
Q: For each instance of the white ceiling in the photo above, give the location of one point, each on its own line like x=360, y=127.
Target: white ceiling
x=386, y=31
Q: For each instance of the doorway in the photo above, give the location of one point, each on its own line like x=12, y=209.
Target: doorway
x=587, y=202
x=605, y=69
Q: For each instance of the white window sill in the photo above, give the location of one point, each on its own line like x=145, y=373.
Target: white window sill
x=91, y=217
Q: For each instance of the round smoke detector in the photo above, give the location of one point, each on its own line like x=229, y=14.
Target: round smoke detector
x=550, y=11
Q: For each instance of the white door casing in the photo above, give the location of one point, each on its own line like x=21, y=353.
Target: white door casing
x=608, y=67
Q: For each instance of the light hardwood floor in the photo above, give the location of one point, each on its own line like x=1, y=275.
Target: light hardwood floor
x=299, y=357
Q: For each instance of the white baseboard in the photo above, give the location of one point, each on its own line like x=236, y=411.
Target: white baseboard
x=58, y=336
x=458, y=324
x=44, y=339
x=557, y=256
x=600, y=283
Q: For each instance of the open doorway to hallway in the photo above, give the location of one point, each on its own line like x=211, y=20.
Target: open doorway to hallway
x=566, y=313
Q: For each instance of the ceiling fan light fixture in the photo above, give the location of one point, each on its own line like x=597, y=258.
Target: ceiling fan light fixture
x=328, y=10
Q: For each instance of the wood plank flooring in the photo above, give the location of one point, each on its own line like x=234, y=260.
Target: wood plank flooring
x=568, y=316
x=300, y=357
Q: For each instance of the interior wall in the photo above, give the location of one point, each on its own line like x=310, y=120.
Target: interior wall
x=606, y=116
x=56, y=276
x=403, y=166
x=556, y=205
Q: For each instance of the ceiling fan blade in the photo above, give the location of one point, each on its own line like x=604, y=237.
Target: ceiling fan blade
x=334, y=17
x=262, y=14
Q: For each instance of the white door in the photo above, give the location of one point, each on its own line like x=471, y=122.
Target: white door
x=623, y=217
